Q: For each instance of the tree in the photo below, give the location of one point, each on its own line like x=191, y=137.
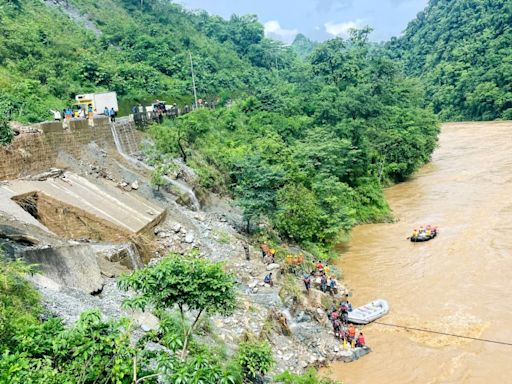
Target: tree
x=194, y=286
x=6, y=133
x=255, y=358
x=158, y=177
x=256, y=183
x=298, y=213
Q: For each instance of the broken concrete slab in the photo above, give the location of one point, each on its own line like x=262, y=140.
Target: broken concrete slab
x=73, y=266
x=121, y=213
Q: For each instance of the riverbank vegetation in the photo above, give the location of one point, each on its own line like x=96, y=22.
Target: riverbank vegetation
x=312, y=148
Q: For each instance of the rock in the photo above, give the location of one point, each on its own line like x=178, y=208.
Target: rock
x=135, y=185
x=302, y=317
x=189, y=238
x=253, y=284
x=163, y=235
x=255, y=290
x=320, y=312
x=109, y=268
x=53, y=172
x=145, y=320
x=176, y=227
x=273, y=266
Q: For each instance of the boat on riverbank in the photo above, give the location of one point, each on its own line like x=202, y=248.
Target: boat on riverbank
x=369, y=312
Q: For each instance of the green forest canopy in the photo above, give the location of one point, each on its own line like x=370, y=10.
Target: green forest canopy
x=308, y=143
x=462, y=51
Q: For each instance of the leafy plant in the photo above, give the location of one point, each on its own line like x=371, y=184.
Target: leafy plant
x=310, y=377
x=255, y=358
x=194, y=286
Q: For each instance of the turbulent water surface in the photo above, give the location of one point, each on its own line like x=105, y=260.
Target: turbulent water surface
x=461, y=282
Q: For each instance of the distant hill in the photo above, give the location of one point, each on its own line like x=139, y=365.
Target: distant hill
x=303, y=46
x=462, y=50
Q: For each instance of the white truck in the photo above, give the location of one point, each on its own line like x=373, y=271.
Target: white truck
x=98, y=101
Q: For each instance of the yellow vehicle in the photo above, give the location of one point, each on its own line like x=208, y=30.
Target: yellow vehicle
x=98, y=102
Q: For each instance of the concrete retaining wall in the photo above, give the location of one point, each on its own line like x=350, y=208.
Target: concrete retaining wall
x=32, y=153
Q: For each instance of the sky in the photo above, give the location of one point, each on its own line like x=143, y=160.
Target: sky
x=319, y=19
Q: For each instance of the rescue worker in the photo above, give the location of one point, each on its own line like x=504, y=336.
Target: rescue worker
x=415, y=233
x=428, y=232
x=351, y=333
x=56, y=115
x=320, y=266
x=360, y=340
x=323, y=283
x=112, y=115
x=268, y=280
x=332, y=285
x=307, y=282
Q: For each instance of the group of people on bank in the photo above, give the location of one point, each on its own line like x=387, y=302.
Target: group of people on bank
x=81, y=113
x=343, y=330
x=320, y=274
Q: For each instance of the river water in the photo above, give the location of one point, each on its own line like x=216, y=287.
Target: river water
x=461, y=282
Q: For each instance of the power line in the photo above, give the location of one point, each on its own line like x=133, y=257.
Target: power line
x=445, y=334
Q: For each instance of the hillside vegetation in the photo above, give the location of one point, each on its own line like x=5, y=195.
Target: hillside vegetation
x=462, y=50
x=307, y=144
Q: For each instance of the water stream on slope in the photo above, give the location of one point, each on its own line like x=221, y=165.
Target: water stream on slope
x=461, y=282
x=177, y=183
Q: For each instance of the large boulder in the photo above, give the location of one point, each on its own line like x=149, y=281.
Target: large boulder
x=73, y=266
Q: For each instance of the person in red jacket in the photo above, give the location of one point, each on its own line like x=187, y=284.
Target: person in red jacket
x=360, y=340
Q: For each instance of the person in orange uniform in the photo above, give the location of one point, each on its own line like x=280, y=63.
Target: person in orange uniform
x=351, y=333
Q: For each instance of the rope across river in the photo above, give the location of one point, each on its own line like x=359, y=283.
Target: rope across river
x=444, y=333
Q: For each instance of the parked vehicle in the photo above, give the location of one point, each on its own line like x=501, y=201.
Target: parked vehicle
x=98, y=101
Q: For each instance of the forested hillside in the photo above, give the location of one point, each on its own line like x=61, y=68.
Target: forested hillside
x=46, y=57
x=303, y=46
x=308, y=144
x=462, y=50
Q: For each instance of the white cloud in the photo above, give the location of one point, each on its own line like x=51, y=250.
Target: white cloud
x=273, y=30
x=342, y=29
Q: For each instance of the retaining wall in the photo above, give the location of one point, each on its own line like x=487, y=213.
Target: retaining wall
x=31, y=153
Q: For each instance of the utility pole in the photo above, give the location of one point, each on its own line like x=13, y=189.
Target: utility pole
x=193, y=80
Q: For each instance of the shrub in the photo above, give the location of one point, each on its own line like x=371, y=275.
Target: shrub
x=255, y=358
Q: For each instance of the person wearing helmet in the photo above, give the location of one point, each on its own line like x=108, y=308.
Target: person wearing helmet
x=415, y=233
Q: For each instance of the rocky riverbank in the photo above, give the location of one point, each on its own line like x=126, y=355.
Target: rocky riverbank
x=294, y=322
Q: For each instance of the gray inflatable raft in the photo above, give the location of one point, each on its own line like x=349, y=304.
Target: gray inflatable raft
x=369, y=312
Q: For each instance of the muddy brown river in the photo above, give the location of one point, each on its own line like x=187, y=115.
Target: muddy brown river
x=460, y=282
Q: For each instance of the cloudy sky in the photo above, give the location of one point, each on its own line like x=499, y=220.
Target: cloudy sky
x=319, y=19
